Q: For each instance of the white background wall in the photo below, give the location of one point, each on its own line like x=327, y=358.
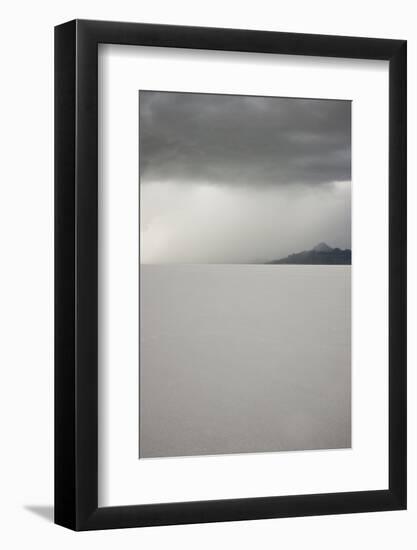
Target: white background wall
x=26, y=272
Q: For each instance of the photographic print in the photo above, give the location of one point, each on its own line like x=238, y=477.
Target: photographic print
x=245, y=274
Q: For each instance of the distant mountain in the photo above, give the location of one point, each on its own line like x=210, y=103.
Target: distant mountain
x=322, y=247
x=322, y=254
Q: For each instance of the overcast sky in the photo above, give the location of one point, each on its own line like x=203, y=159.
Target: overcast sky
x=230, y=179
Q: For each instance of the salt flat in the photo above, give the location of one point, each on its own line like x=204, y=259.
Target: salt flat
x=244, y=358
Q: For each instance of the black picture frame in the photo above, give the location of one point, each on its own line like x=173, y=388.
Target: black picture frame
x=76, y=272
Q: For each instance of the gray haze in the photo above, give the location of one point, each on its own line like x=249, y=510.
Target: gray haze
x=235, y=179
x=257, y=361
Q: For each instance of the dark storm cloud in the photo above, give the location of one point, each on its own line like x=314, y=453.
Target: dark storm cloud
x=243, y=140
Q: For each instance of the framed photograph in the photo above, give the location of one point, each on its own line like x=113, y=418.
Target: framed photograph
x=230, y=275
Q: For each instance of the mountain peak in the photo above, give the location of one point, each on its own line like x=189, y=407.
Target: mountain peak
x=322, y=254
x=322, y=247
